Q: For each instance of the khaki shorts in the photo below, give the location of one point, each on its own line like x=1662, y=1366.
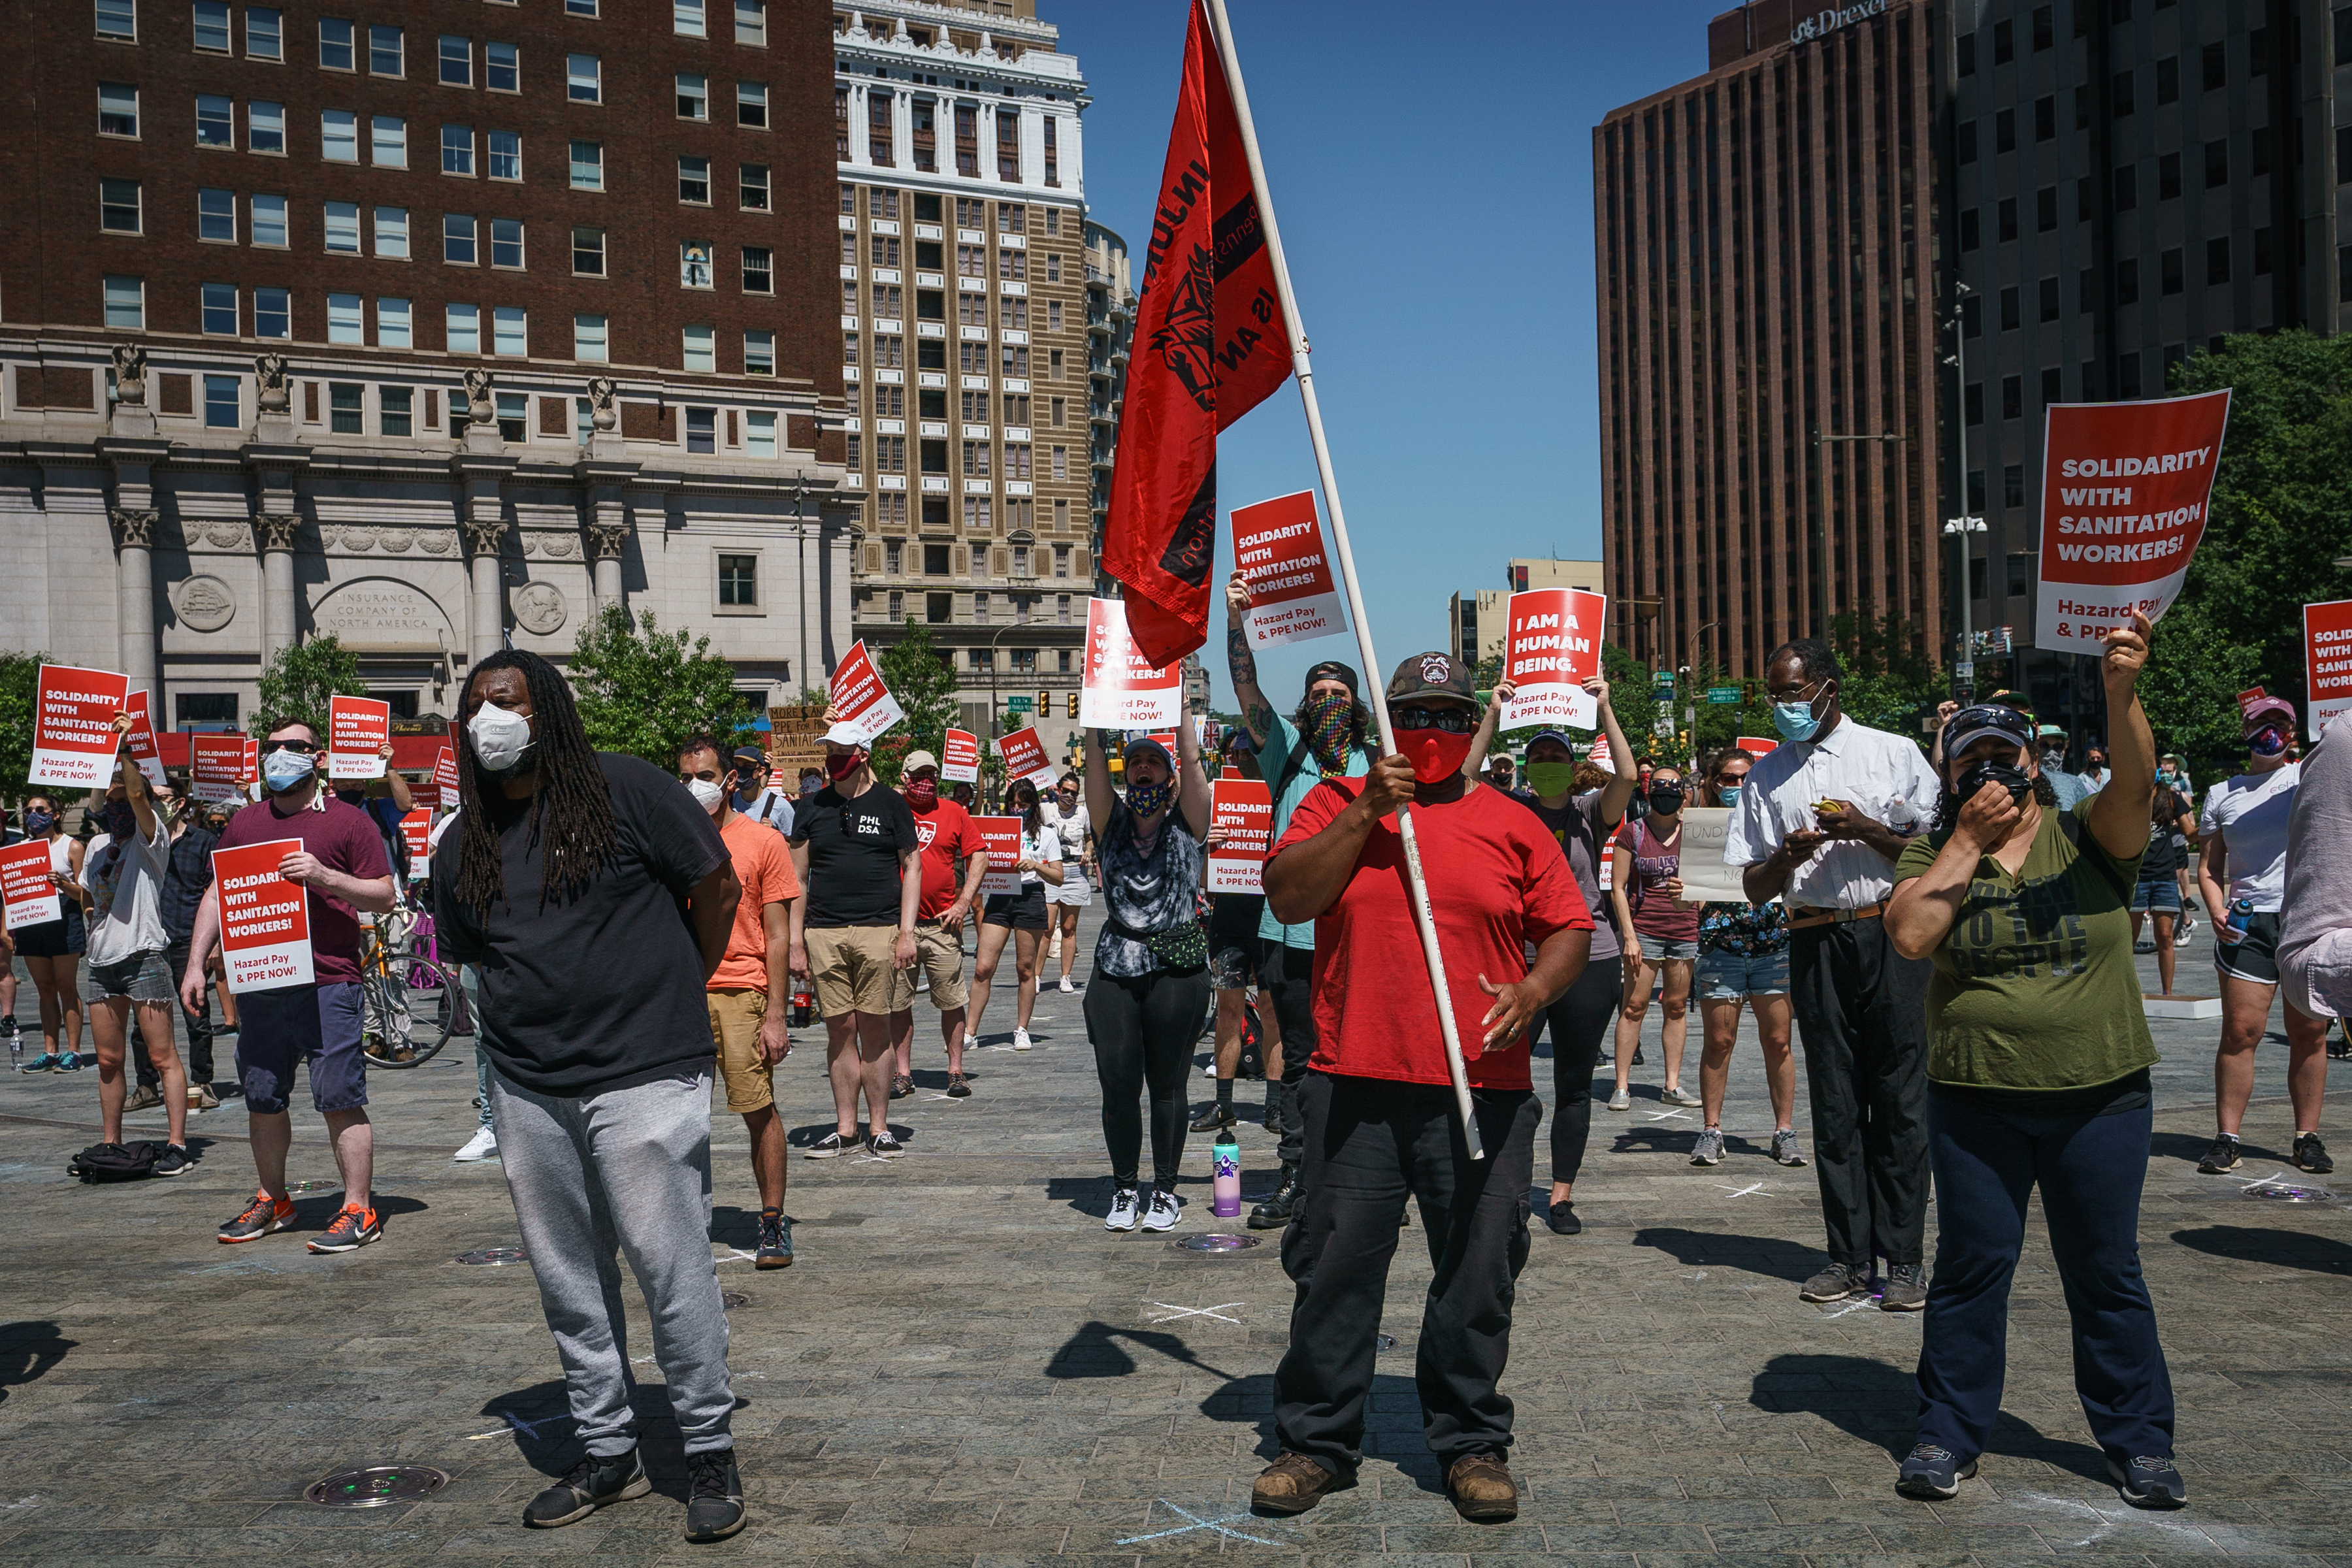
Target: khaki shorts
x=939, y=954
x=735, y=1017
x=854, y=973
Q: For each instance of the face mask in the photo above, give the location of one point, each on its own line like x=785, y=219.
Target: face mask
x=1549, y=779
x=1728, y=794
x=923, y=794
x=2167, y=777
x=2267, y=741
x=706, y=793
x=282, y=771
x=1795, y=721
x=841, y=766
x=1434, y=753
x=1330, y=719
x=1666, y=799
x=499, y=739
x=38, y=823
x=2012, y=779
x=117, y=818
x=1151, y=799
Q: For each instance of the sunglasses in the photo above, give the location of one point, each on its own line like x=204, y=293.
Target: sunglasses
x=300, y=747
x=1453, y=721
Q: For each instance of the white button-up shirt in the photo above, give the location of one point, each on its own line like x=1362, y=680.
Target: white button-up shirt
x=1883, y=776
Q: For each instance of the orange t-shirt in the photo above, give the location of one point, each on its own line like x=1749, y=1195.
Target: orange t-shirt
x=764, y=864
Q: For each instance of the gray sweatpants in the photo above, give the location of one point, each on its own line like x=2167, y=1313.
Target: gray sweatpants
x=627, y=1169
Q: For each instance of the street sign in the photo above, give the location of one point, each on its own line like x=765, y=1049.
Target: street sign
x=1017, y=704
x=1964, y=671
x=1663, y=680
x=1727, y=694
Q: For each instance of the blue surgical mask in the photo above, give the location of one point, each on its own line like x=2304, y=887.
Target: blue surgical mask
x=282, y=771
x=1728, y=794
x=1795, y=721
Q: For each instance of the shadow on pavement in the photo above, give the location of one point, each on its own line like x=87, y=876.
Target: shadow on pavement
x=540, y=1416
x=1880, y=1405
x=1096, y=1350
x=28, y=1351
x=1769, y=1256
x=2287, y=1248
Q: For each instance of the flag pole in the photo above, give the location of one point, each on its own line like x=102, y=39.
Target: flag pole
x=1301, y=367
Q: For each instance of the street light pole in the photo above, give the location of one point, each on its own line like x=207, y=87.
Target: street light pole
x=1964, y=667
x=1820, y=564
x=800, y=531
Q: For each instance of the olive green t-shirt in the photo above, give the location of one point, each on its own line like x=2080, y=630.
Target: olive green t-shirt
x=2035, y=986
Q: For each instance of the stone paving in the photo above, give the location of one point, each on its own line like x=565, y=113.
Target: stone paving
x=965, y=1367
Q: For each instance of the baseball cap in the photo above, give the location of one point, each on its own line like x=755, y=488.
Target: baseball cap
x=1971, y=725
x=916, y=762
x=846, y=735
x=1554, y=735
x=2047, y=731
x=1426, y=675
x=749, y=754
x=2264, y=712
x=1333, y=669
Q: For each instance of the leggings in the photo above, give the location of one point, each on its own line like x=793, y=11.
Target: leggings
x=1579, y=1021
x=1143, y=1031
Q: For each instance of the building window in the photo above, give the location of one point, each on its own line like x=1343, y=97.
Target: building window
x=501, y=68
x=118, y=109
x=338, y=136
x=457, y=149
x=342, y=227
x=694, y=181
x=759, y=433
x=686, y=19
x=273, y=313
x=219, y=307
x=702, y=430
x=2217, y=261
x=2172, y=271
x=759, y=354
x=117, y=19
x=579, y=7
x=394, y=406
x=391, y=233
x=221, y=411
x=588, y=343
x=265, y=128
x=264, y=34
x=693, y=96
x=216, y=121
x=117, y=207
x=457, y=61
x=751, y=22
x=693, y=263
x=346, y=408
x=1061, y=462
x=2216, y=161
x=1053, y=154
x=752, y=191
x=759, y=269
x=212, y=26
x=510, y=331
x=2049, y=300
x=893, y=557
x=1061, y=569
x=751, y=104
x=2010, y=313
x=584, y=79
x=898, y=602
x=334, y=44
x=587, y=165
x=514, y=417
x=387, y=55
x=588, y=252
x=465, y=329
x=392, y=324
x=344, y=323
x=457, y=239
x=506, y=242
x=2012, y=397
x=699, y=353
x=505, y=150
x=739, y=579
x=388, y=142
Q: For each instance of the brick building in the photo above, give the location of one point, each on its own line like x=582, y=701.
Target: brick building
x=434, y=324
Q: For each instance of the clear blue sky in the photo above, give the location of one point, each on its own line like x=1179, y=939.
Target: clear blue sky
x=1432, y=170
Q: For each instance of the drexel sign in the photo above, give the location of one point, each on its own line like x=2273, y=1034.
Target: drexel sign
x=1824, y=23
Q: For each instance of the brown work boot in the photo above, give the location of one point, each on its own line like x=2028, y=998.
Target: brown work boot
x=1482, y=1488
x=1292, y=1484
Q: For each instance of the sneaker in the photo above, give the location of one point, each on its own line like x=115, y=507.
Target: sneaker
x=1065, y=984
x=591, y=1483
x=176, y=1162
x=202, y=1097
x=146, y=1097
x=2149, y=1481
x=1562, y=1218
x=1637, y=1058
x=1785, y=1148
x=1292, y=1484
x=1220, y=1114
x=1709, y=1150
x=2222, y=1158
x=1122, y=1210
x=833, y=1145
x=1620, y=1100
x=1835, y=1283
x=901, y=1087
x=354, y=1229
x=775, y=1251
x=1933, y=1474
x=2182, y=927
x=1020, y=1039
x=69, y=1062
x=261, y=1217
x=959, y=1087
x=2311, y=1154
x=1905, y=1289
x=714, y=1496
x=884, y=1145
x=1280, y=1206
x=1482, y=1488
x=47, y=1061
x=1676, y=1094
x=1164, y=1213
x=482, y=1145
x=1273, y=1122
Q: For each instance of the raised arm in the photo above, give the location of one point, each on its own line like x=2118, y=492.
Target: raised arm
x=1192, y=778
x=1618, y=792
x=1257, y=714
x=1099, y=798
x=2119, y=812
x=1481, y=743
x=135, y=780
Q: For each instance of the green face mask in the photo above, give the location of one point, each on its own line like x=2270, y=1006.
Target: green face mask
x=1549, y=779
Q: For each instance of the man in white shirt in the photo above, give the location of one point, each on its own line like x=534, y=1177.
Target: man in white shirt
x=1822, y=821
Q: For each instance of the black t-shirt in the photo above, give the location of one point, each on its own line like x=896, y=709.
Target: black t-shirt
x=2163, y=859
x=854, y=847
x=1232, y=920
x=606, y=986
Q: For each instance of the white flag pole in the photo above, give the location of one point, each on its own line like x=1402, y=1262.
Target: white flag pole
x=1301, y=367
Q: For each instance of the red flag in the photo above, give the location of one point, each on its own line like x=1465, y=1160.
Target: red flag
x=1210, y=346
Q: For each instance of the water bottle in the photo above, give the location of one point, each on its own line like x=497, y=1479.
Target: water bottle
x=1226, y=1158
x=16, y=1050
x=2233, y=930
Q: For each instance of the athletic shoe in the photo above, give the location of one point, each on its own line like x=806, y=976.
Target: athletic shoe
x=1273, y=1122
x=1219, y=1114
x=482, y=1145
x=1932, y=1474
x=1709, y=1150
x=1562, y=1219
x=2150, y=1481
x=884, y=1145
x=176, y=1162
x=2311, y=1154
x=69, y=1062
x=1065, y=984
x=2182, y=927
x=146, y=1097
x=1785, y=1148
x=1292, y=1484
x=261, y=1217
x=2222, y=1158
x=1280, y=1206
x=202, y=1097
x=1835, y=1283
x=1677, y=1095
x=47, y=1061
x=714, y=1496
x=591, y=1483
x=833, y=1145
x=1905, y=1289
x=1620, y=1100
x=354, y=1227
x=958, y=1087
x=2143, y=947
x=775, y=1251
x=1122, y=1210
x=901, y=1087
x=1164, y=1213
x=1637, y=1056
x=1482, y=1488
x=1020, y=1039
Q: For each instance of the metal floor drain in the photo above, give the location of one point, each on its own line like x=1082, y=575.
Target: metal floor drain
x=2276, y=1192
x=733, y=1298
x=1385, y=1342
x=1213, y=1243
x=379, y=1486
x=494, y=1256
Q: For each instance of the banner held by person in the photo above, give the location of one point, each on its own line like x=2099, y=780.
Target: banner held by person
x=1000, y=838
x=142, y=737
x=1551, y=647
x=1278, y=549
x=425, y=795
x=960, y=757
x=358, y=730
x=1244, y=809
x=264, y=919
x=74, y=737
x=859, y=700
x=1024, y=752
x=2125, y=489
x=1756, y=745
x=215, y=765
x=1122, y=689
x=1704, y=875
x=415, y=829
x=2326, y=663
x=25, y=890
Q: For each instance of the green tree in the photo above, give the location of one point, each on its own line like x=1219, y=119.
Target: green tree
x=298, y=680
x=642, y=690
x=20, y=677
x=921, y=677
x=1891, y=679
x=2190, y=689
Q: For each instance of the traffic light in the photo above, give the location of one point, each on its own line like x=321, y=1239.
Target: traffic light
x=1073, y=709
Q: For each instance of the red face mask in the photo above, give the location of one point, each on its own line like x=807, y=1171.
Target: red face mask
x=922, y=794
x=841, y=765
x=1434, y=753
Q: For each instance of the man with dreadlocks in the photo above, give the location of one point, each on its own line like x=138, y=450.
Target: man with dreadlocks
x=594, y=897
x=1325, y=739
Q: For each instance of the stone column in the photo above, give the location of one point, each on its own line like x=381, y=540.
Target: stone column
x=276, y=531
x=484, y=535
x=134, y=579
x=608, y=538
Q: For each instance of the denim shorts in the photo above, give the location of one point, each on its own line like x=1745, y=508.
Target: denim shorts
x=144, y=977
x=1657, y=949
x=2156, y=896
x=1727, y=976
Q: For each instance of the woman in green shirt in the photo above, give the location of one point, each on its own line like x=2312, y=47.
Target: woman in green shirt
x=2037, y=1074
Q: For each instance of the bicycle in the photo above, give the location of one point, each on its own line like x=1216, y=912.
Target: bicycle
x=409, y=1004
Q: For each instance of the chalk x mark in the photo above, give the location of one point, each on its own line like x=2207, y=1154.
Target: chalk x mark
x=1219, y=1525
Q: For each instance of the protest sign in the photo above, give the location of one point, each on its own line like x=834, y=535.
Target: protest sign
x=444, y=774
x=1551, y=647
x=1278, y=549
x=1756, y=745
x=1024, y=757
x=2326, y=663
x=143, y=738
x=1120, y=690
x=1599, y=756
x=264, y=919
x=74, y=741
x=2125, y=487
x=960, y=764
x=24, y=885
x=425, y=795
x=1244, y=809
x=1001, y=837
x=1703, y=873
x=415, y=829
x=215, y=763
x=358, y=730
x=859, y=698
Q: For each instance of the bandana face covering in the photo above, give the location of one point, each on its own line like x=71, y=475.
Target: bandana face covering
x=1434, y=753
x=1330, y=718
x=922, y=794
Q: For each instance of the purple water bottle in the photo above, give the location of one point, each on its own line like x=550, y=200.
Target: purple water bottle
x=1225, y=1156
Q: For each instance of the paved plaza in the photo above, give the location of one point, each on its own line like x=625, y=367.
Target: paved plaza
x=963, y=1367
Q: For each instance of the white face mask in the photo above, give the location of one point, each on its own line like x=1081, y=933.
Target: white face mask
x=500, y=738
x=707, y=792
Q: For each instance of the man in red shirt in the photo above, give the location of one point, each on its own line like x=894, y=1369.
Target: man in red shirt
x=1378, y=1102
x=946, y=833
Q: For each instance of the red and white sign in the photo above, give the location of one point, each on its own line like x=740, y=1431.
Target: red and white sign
x=252, y=765
x=415, y=829
x=1244, y=809
x=24, y=885
x=358, y=730
x=444, y=774
x=858, y=696
x=1001, y=837
x=1278, y=549
x=1551, y=647
x=143, y=738
x=1024, y=757
x=1121, y=691
x=2326, y=663
x=1600, y=755
x=1757, y=746
x=960, y=764
x=264, y=919
x=74, y=741
x=425, y=795
x=2125, y=487
x=215, y=763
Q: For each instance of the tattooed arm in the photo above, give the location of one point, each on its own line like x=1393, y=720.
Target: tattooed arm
x=1257, y=714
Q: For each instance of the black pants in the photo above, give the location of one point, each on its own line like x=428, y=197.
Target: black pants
x=1862, y=1011
x=198, y=1057
x=1579, y=1022
x=1287, y=975
x=2090, y=1170
x=1370, y=1141
x=1143, y=1031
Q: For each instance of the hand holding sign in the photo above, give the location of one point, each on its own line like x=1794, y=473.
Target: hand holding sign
x=359, y=737
x=25, y=886
x=1282, y=582
x=859, y=698
x=74, y=737
x=143, y=738
x=264, y=918
x=1120, y=690
x=1551, y=651
x=2125, y=656
x=1024, y=757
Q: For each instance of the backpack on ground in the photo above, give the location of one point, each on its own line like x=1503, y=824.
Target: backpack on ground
x=117, y=1161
